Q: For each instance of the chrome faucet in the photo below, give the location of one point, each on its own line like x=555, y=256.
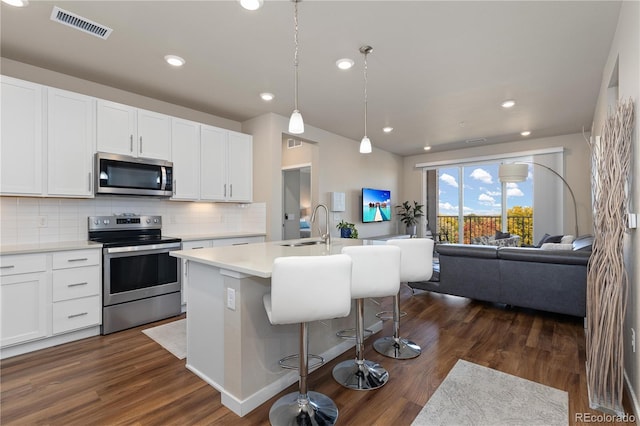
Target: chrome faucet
x=326, y=237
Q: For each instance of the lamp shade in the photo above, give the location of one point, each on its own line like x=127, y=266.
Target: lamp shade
x=365, y=146
x=296, y=125
x=513, y=172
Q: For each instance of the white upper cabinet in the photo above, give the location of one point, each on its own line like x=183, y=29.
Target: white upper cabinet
x=116, y=129
x=240, y=166
x=70, y=143
x=185, y=154
x=21, y=137
x=154, y=135
x=213, y=163
x=126, y=130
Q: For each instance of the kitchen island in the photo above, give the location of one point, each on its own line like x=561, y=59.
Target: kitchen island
x=230, y=342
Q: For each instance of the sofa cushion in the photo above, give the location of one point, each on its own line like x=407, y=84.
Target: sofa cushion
x=583, y=243
x=468, y=250
x=567, y=257
x=556, y=246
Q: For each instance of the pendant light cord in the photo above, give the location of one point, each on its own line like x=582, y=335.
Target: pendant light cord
x=295, y=56
x=365, y=93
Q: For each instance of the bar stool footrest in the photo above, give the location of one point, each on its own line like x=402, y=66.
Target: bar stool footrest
x=287, y=361
x=388, y=315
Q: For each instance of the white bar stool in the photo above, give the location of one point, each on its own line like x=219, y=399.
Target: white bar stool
x=303, y=289
x=416, y=265
x=375, y=273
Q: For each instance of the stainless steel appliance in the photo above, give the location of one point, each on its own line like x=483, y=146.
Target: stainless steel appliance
x=140, y=281
x=123, y=175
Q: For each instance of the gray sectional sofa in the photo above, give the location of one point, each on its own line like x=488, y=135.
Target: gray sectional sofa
x=547, y=280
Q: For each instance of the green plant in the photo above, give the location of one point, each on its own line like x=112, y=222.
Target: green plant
x=348, y=226
x=409, y=214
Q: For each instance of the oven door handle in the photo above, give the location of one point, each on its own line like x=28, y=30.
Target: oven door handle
x=148, y=247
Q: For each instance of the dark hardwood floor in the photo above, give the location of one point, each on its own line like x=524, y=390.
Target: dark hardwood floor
x=127, y=378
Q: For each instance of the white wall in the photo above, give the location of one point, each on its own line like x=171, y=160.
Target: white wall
x=577, y=166
x=341, y=168
x=626, y=50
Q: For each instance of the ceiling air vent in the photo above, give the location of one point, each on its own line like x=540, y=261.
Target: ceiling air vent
x=476, y=140
x=80, y=23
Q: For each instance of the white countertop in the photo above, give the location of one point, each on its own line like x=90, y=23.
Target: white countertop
x=257, y=259
x=216, y=236
x=48, y=247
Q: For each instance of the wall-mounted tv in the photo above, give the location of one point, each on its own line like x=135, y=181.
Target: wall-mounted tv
x=376, y=205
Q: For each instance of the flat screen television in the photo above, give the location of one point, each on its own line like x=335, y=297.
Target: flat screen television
x=376, y=205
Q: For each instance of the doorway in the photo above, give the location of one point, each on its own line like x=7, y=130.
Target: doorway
x=296, y=199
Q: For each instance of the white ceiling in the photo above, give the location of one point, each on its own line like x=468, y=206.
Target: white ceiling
x=434, y=64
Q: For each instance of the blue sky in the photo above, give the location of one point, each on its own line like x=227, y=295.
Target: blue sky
x=482, y=190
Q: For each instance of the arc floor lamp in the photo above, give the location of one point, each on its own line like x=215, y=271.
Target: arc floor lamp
x=517, y=172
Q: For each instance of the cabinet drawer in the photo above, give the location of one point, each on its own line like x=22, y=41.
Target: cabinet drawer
x=77, y=313
x=22, y=264
x=76, y=282
x=195, y=245
x=76, y=258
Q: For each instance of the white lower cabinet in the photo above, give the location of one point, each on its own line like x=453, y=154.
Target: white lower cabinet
x=45, y=295
x=24, y=307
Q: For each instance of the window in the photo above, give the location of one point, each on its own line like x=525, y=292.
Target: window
x=470, y=201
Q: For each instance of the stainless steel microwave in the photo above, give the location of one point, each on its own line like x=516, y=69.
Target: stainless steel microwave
x=123, y=175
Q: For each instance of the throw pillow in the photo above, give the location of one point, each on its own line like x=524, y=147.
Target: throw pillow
x=567, y=239
x=501, y=235
x=556, y=246
x=549, y=239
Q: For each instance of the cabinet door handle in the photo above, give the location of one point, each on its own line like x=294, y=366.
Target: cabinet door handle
x=231, y=190
x=80, y=259
x=130, y=143
x=77, y=284
x=77, y=315
x=89, y=181
x=225, y=189
x=7, y=267
x=175, y=186
x=140, y=147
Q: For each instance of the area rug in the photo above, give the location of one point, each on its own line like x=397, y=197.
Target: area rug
x=475, y=395
x=171, y=336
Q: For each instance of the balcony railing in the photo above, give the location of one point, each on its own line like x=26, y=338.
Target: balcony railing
x=476, y=226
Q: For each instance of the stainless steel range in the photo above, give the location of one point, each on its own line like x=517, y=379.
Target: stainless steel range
x=140, y=281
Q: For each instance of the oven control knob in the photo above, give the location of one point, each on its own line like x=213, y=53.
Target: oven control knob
x=96, y=221
x=106, y=221
x=148, y=220
x=155, y=220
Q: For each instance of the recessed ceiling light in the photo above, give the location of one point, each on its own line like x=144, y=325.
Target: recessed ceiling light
x=266, y=96
x=251, y=4
x=427, y=148
x=16, y=3
x=387, y=129
x=174, y=60
x=525, y=133
x=344, y=63
x=508, y=103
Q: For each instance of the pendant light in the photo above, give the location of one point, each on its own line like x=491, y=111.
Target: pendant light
x=296, y=124
x=365, y=144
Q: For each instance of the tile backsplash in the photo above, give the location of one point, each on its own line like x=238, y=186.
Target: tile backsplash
x=26, y=220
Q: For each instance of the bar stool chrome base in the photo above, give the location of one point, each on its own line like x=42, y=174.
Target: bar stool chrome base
x=285, y=362
x=360, y=375
x=397, y=348
x=312, y=409
x=388, y=315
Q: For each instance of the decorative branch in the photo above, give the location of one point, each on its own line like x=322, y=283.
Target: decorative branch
x=607, y=281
